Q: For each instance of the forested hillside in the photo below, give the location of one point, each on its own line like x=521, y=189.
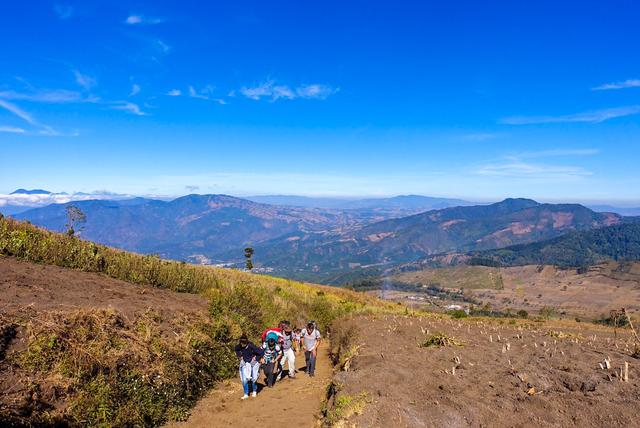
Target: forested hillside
x=619, y=242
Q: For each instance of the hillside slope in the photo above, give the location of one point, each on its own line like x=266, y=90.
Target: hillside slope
x=88, y=349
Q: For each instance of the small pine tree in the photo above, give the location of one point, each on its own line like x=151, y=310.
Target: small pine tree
x=248, y=254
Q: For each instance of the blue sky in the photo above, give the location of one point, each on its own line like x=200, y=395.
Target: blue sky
x=480, y=100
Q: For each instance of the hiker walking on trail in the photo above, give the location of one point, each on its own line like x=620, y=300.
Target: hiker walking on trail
x=271, y=360
x=249, y=355
x=287, y=352
x=310, y=342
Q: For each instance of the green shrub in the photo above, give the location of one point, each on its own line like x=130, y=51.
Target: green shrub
x=457, y=313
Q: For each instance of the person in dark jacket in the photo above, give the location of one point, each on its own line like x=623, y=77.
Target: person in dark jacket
x=250, y=356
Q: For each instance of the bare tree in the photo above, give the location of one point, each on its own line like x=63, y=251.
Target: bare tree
x=75, y=220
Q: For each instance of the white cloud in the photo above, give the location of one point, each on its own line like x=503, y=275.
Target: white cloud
x=18, y=112
x=12, y=129
x=53, y=96
x=205, y=93
x=630, y=83
x=270, y=90
x=41, y=129
x=594, y=116
x=174, y=93
x=37, y=200
x=128, y=107
x=519, y=169
x=315, y=91
x=84, y=81
x=143, y=20
x=195, y=94
x=135, y=90
x=63, y=11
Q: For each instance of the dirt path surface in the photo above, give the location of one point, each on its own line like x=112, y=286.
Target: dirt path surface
x=507, y=374
x=296, y=401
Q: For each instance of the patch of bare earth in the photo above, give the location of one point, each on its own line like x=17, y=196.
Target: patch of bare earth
x=502, y=375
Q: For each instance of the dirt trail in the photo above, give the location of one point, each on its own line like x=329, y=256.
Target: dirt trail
x=297, y=401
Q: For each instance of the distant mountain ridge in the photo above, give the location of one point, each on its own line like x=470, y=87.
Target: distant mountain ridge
x=192, y=227
x=30, y=192
x=407, y=239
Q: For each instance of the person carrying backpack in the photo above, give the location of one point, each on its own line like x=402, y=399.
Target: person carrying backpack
x=288, y=355
x=270, y=360
x=310, y=342
x=249, y=355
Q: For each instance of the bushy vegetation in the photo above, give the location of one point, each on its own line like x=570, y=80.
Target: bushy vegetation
x=114, y=372
x=129, y=374
x=439, y=340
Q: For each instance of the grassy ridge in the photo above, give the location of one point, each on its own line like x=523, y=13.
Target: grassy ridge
x=169, y=373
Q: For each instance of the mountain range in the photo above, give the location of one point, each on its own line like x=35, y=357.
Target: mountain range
x=193, y=227
x=319, y=244
x=321, y=256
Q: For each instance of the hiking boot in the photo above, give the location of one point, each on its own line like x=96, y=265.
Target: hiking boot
x=244, y=397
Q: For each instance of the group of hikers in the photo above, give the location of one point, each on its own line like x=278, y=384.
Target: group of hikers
x=279, y=347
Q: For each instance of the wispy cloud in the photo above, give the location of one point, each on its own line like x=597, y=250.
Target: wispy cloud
x=161, y=46
x=63, y=11
x=18, y=112
x=40, y=128
x=594, y=116
x=202, y=94
x=174, y=93
x=128, y=107
x=519, y=165
x=205, y=93
x=143, y=20
x=273, y=91
x=135, y=90
x=555, y=153
x=54, y=96
x=519, y=169
x=84, y=81
x=12, y=129
x=630, y=83
x=315, y=91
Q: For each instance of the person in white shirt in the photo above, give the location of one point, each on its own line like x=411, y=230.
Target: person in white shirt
x=310, y=341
